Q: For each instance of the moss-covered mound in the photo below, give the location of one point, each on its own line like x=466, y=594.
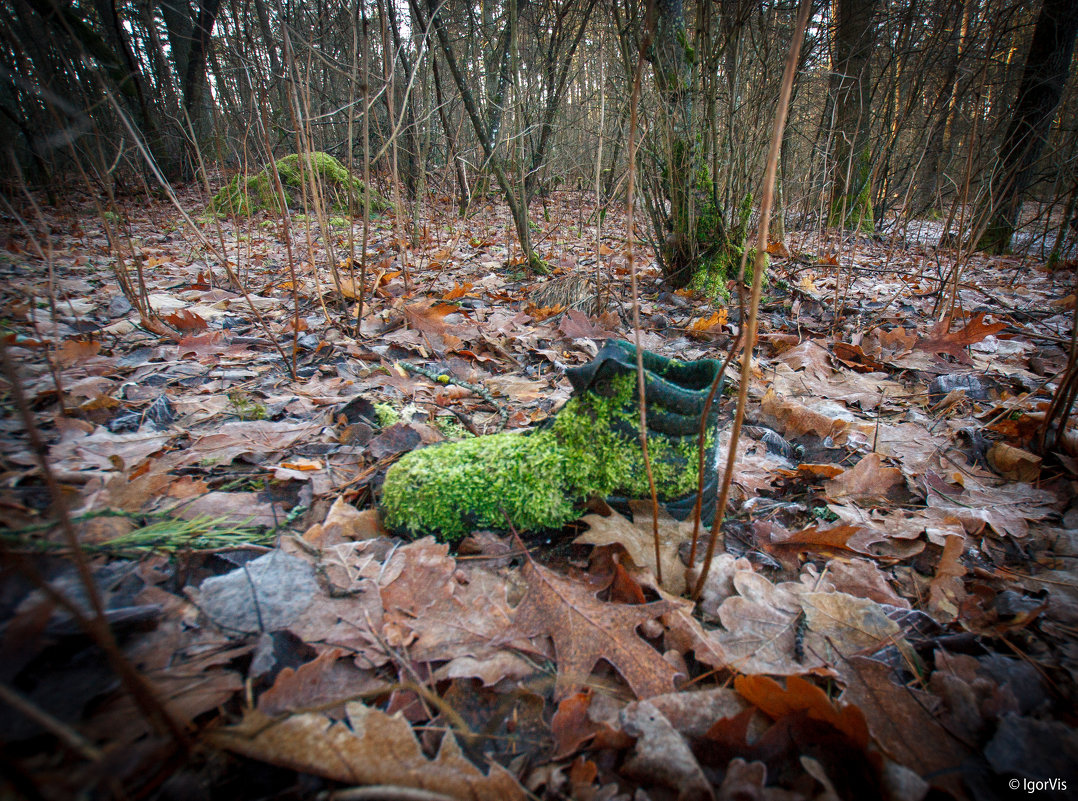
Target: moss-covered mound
x=245, y=194
x=536, y=480
x=715, y=271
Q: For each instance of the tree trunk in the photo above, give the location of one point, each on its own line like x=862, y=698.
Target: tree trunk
x=851, y=92
x=451, y=154
x=194, y=81
x=555, y=82
x=1043, y=80
x=673, y=79
x=517, y=209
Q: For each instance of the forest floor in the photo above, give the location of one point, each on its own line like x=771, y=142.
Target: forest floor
x=892, y=611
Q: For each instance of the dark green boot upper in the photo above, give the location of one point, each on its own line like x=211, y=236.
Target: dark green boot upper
x=676, y=394
x=537, y=479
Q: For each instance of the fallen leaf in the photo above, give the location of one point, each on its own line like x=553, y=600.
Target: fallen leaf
x=571, y=725
x=760, y=628
x=866, y=481
x=1014, y=463
x=585, y=630
x=441, y=611
x=792, y=419
x=788, y=545
x=1006, y=509
x=709, y=325
x=637, y=538
x=776, y=701
x=73, y=351
x=370, y=747
x=902, y=722
x=778, y=250
x=576, y=325
x=942, y=340
x=398, y=438
x=863, y=579
x=544, y=313
x=945, y=593
x=855, y=358
x=662, y=755
x=186, y=321
x=428, y=316
x=324, y=680
x=762, y=632
x=809, y=356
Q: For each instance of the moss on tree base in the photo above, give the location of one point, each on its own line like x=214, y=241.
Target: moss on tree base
x=245, y=194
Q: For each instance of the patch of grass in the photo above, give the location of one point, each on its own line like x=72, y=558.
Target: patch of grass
x=244, y=408
x=166, y=534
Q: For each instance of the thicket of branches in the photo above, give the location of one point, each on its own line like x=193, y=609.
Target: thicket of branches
x=955, y=109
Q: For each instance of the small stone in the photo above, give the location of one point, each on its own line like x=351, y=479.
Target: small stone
x=119, y=306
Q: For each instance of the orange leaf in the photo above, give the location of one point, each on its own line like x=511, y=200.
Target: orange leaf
x=778, y=249
x=821, y=470
x=458, y=291
x=570, y=725
x=428, y=316
x=539, y=314
x=302, y=464
x=291, y=326
x=710, y=325
x=186, y=321
x=73, y=351
x=772, y=699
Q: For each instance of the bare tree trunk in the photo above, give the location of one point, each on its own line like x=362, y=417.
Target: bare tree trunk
x=851, y=92
x=1043, y=80
x=673, y=79
x=450, y=139
x=517, y=209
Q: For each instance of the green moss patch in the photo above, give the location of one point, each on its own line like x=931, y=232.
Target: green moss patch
x=536, y=480
x=245, y=194
x=714, y=272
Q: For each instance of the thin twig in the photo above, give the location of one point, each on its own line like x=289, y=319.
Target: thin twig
x=766, y=199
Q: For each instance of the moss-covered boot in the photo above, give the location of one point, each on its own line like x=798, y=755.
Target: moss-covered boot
x=538, y=479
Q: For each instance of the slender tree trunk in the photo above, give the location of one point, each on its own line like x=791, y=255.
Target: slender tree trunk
x=194, y=82
x=450, y=139
x=673, y=79
x=517, y=209
x=927, y=180
x=1043, y=80
x=851, y=92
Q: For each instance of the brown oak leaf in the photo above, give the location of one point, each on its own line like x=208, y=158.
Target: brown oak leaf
x=942, y=340
x=370, y=747
x=585, y=630
x=868, y=480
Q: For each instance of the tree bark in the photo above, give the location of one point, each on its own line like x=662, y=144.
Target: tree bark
x=1043, y=80
x=855, y=36
x=194, y=81
x=517, y=209
x=673, y=79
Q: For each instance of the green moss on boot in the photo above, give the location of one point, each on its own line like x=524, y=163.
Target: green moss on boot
x=536, y=479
